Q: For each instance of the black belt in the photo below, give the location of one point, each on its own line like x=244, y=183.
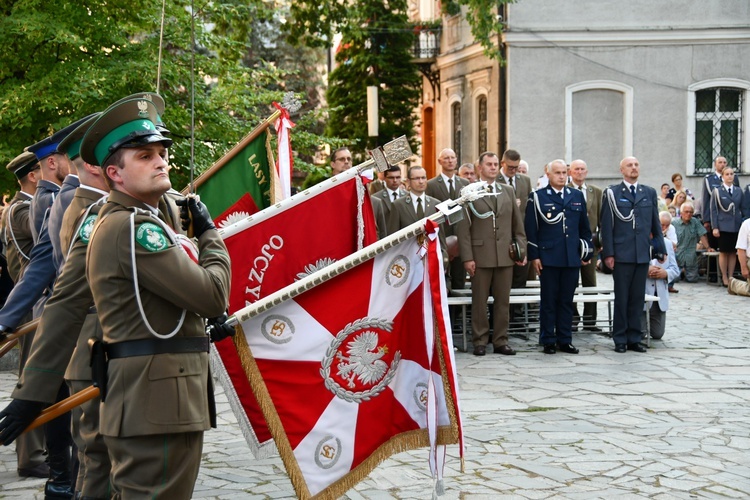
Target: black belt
x=149, y=347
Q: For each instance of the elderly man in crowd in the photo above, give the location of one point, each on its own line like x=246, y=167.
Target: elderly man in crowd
x=690, y=232
x=467, y=172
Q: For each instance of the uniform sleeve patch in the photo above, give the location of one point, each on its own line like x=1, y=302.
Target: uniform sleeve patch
x=151, y=237
x=84, y=234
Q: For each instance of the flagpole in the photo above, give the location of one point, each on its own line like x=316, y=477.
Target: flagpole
x=468, y=194
x=394, y=152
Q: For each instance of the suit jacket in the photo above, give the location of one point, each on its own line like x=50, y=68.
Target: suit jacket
x=593, y=204
x=438, y=189
x=391, y=219
x=380, y=220
x=486, y=240
x=523, y=188
x=726, y=209
x=556, y=244
x=375, y=186
x=406, y=215
x=56, y=214
x=625, y=241
x=659, y=287
x=162, y=393
x=746, y=203
x=46, y=191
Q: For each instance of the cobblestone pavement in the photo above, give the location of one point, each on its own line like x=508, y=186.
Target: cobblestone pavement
x=671, y=423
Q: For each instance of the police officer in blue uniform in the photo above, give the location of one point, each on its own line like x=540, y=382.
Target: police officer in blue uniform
x=629, y=218
x=557, y=229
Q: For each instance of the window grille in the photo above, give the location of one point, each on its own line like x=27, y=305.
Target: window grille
x=718, y=127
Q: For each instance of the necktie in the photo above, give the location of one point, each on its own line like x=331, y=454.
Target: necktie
x=632, y=191
x=513, y=181
x=451, y=192
x=490, y=188
x=394, y=196
x=730, y=191
x=420, y=209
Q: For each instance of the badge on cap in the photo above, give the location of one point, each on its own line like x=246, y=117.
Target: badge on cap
x=84, y=234
x=151, y=237
x=143, y=109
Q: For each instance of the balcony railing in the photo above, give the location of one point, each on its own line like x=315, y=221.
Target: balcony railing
x=426, y=43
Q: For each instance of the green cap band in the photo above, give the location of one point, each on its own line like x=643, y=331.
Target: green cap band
x=120, y=135
x=74, y=150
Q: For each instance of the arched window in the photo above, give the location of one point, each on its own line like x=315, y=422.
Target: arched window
x=456, y=122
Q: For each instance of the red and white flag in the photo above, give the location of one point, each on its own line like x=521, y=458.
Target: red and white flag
x=284, y=159
x=348, y=372
x=272, y=249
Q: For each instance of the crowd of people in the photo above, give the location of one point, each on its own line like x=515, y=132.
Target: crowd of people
x=661, y=239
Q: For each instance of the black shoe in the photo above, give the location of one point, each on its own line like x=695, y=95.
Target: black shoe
x=593, y=329
x=479, y=350
x=567, y=348
x=505, y=350
x=620, y=348
x=549, y=349
x=41, y=470
x=636, y=347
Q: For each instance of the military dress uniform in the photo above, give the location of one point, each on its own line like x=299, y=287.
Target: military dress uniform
x=628, y=219
x=593, y=196
x=443, y=190
x=484, y=236
x=18, y=242
x=151, y=298
x=555, y=225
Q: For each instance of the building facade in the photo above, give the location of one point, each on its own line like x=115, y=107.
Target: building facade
x=668, y=82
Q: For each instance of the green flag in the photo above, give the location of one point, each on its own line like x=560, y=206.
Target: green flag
x=241, y=179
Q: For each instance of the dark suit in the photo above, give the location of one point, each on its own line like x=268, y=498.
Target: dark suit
x=390, y=215
x=554, y=239
x=629, y=243
x=486, y=241
x=380, y=221
x=405, y=215
x=438, y=189
x=588, y=272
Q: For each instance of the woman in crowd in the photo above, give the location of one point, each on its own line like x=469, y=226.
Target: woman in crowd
x=662, y=200
x=677, y=181
x=677, y=201
x=726, y=219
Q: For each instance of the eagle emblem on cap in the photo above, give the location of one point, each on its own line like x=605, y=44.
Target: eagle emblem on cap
x=143, y=108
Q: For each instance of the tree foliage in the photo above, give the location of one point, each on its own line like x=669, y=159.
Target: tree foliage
x=375, y=49
x=63, y=60
x=484, y=18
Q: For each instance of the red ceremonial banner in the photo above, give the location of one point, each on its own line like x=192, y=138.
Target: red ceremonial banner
x=278, y=246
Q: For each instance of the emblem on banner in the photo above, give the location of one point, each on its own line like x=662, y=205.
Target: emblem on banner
x=233, y=218
x=364, y=363
x=397, y=272
x=327, y=452
x=420, y=395
x=317, y=266
x=277, y=329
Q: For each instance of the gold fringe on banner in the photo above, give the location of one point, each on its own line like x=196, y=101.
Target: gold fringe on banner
x=402, y=442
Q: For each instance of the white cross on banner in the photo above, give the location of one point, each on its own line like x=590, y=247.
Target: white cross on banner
x=355, y=369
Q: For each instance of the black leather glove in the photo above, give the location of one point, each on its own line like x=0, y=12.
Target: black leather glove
x=218, y=328
x=16, y=417
x=195, y=212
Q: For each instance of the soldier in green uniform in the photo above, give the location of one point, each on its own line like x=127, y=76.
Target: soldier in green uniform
x=15, y=231
x=151, y=298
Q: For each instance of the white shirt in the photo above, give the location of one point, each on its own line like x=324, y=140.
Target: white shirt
x=743, y=237
x=583, y=190
x=414, y=199
x=391, y=193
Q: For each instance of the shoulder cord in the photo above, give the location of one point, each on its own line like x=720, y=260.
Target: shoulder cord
x=616, y=211
x=9, y=227
x=538, y=211
x=485, y=215
x=360, y=220
x=135, y=277
x=717, y=202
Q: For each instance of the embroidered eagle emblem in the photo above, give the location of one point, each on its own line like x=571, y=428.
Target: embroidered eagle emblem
x=363, y=361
